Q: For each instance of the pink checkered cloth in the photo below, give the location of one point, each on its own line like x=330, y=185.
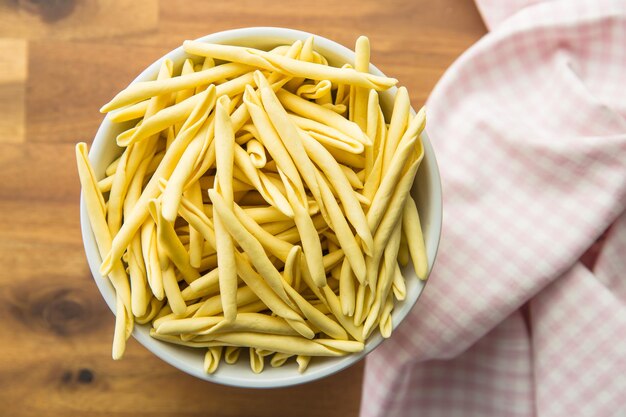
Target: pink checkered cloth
x=529, y=128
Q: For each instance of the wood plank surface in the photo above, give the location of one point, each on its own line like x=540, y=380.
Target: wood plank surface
x=59, y=62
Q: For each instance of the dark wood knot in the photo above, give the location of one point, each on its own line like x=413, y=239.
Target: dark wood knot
x=63, y=314
x=63, y=311
x=83, y=376
x=49, y=11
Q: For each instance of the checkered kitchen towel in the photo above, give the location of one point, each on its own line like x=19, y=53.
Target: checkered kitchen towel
x=529, y=127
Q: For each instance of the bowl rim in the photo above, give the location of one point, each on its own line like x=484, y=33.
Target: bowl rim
x=155, y=346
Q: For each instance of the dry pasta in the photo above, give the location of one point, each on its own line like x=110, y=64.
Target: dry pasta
x=261, y=201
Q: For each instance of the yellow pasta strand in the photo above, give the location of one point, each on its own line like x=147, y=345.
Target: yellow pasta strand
x=224, y=144
x=287, y=66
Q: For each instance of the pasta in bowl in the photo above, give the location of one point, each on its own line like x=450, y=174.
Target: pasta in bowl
x=263, y=193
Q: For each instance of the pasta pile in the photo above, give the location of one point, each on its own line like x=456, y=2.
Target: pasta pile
x=261, y=202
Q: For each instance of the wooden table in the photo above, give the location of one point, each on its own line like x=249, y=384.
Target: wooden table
x=59, y=61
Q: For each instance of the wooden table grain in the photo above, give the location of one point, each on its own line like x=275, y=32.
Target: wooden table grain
x=60, y=60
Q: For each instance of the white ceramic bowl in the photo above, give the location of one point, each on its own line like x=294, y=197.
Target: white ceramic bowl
x=426, y=190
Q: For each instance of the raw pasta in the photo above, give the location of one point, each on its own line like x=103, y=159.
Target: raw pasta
x=261, y=201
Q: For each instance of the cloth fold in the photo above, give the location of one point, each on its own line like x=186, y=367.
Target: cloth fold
x=529, y=128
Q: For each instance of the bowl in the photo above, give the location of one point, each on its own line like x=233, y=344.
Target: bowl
x=426, y=191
